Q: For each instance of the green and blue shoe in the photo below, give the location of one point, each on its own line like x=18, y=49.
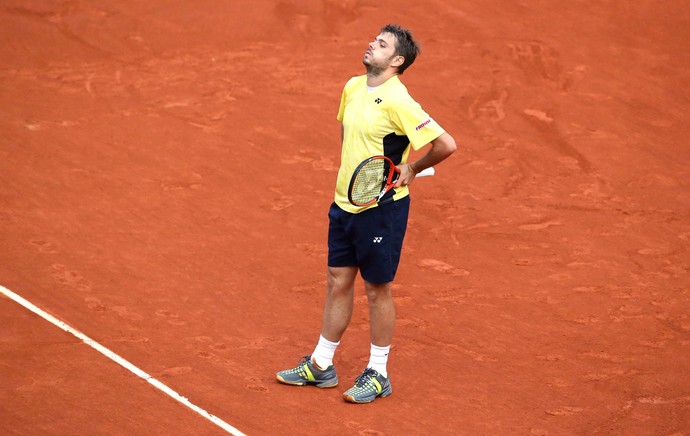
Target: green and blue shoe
x=369, y=385
x=307, y=373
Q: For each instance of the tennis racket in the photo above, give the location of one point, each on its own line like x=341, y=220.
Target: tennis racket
x=373, y=178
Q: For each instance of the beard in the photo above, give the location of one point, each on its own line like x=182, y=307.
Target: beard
x=373, y=69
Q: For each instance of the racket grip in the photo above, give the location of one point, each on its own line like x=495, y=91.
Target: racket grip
x=426, y=172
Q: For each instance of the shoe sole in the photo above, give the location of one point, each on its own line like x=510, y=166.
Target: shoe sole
x=322, y=385
x=351, y=399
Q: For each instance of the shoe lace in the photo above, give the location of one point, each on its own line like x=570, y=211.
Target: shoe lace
x=299, y=369
x=365, y=377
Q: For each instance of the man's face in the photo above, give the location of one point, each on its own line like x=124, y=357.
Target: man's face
x=380, y=53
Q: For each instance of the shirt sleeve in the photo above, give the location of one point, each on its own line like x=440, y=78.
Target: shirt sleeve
x=417, y=125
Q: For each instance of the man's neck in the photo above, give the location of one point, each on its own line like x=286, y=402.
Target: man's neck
x=379, y=79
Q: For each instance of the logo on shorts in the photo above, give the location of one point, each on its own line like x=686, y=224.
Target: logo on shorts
x=378, y=239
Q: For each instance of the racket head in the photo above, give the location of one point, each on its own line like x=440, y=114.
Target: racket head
x=370, y=181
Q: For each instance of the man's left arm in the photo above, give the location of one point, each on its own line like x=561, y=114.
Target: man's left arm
x=441, y=148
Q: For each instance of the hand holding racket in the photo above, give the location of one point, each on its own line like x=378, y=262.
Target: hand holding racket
x=373, y=178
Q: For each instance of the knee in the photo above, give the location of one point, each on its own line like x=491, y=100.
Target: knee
x=377, y=293
x=340, y=282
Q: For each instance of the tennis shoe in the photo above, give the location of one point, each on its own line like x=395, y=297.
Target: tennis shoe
x=307, y=373
x=369, y=385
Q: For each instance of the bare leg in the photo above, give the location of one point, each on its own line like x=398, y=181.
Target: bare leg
x=381, y=313
x=340, y=294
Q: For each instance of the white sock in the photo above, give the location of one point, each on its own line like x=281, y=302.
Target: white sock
x=378, y=358
x=324, y=352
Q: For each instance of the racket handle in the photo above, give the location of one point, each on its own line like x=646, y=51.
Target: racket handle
x=426, y=172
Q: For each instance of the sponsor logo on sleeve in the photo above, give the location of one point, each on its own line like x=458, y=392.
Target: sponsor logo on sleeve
x=421, y=126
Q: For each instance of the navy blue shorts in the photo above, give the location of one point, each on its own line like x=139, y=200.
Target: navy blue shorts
x=371, y=240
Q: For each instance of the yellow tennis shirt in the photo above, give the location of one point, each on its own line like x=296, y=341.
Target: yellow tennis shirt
x=385, y=121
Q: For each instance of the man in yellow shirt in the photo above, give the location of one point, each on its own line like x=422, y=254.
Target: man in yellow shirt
x=378, y=118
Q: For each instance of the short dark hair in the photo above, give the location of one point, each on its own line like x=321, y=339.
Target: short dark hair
x=405, y=45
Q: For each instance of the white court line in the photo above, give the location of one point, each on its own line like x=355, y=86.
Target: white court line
x=120, y=361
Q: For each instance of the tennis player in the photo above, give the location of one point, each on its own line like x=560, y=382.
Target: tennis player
x=378, y=118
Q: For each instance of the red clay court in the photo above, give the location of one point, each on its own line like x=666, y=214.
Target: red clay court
x=165, y=173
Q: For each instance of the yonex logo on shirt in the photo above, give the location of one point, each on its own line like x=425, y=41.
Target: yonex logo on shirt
x=378, y=100
x=378, y=239
x=423, y=124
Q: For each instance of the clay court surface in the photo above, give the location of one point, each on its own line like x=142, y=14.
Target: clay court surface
x=165, y=173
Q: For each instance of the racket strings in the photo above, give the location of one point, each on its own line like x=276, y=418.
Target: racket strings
x=369, y=181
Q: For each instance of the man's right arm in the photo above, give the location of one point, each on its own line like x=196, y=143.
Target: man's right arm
x=441, y=148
